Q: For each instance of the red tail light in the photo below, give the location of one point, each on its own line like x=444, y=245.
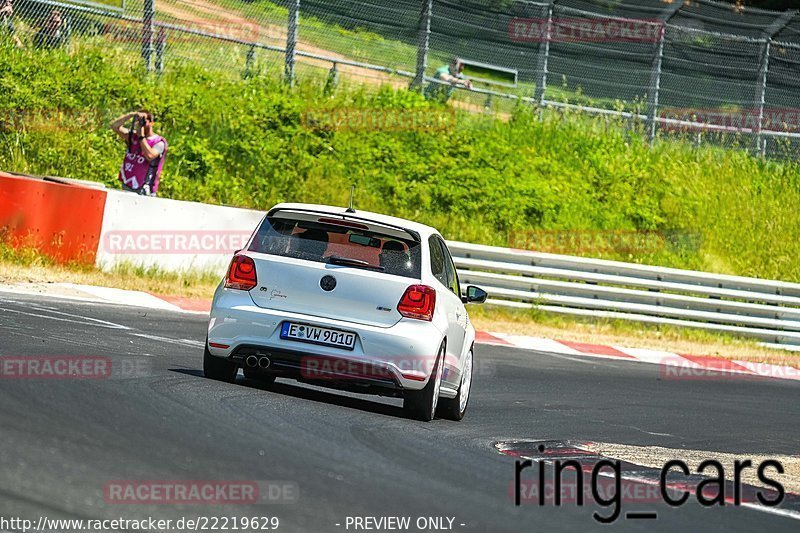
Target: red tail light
x=418, y=302
x=241, y=274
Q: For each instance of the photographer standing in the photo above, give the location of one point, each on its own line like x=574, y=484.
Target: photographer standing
x=144, y=159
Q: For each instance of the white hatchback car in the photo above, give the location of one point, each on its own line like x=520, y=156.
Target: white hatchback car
x=352, y=300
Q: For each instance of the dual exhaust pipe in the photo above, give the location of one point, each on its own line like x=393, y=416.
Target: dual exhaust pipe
x=261, y=362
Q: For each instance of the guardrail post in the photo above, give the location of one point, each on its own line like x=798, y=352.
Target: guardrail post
x=148, y=31
x=249, y=61
x=543, y=57
x=161, y=45
x=655, y=86
x=658, y=62
x=291, y=40
x=761, y=146
x=763, y=74
x=332, y=80
x=424, y=42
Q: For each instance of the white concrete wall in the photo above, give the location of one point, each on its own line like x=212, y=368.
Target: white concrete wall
x=171, y=234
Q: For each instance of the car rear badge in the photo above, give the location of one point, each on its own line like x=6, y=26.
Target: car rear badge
x=387, y=309
x=328, y=283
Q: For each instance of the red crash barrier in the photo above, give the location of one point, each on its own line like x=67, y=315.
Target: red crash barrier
x=60, y=220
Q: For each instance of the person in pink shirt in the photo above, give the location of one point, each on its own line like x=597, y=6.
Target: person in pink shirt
x=144, y=158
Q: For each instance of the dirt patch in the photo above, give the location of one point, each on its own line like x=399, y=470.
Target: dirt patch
x=44, y=289
x=205, y=15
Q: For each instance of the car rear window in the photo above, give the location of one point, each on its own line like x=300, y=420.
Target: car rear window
x=335, y=244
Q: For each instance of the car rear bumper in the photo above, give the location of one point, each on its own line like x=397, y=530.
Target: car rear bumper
x=396, y=358
x=322, y=370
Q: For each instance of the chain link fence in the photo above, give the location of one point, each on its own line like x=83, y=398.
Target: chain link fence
x=704, y=70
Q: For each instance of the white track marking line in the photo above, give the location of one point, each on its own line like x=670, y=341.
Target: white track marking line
x=183, y=342
x=568, y=358
x=786, y=513
x=86, y=321
x=652, y=432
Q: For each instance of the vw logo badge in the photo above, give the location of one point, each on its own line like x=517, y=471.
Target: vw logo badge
x=328, y=283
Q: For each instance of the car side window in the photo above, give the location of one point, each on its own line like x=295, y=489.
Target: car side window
x=437, y=261
x=450, y=269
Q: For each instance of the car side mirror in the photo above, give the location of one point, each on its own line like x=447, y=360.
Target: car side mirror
x=475, y=295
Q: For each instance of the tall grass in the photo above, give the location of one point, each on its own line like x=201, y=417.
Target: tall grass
x=247, y=142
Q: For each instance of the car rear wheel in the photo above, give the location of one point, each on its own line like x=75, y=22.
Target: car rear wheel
x=456, y=408
x=422, y=404
x=219, y=368
x=261, y=377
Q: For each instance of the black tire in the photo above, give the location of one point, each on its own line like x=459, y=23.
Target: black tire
x=262, y=377
x=422, y=404
x=219, y=368
x=451, y=409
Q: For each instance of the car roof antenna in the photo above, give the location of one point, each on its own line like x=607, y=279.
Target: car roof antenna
x=352, y=194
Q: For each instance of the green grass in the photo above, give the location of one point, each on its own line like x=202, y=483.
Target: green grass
x=246, y=143
x=22, y=264
x=23, y=256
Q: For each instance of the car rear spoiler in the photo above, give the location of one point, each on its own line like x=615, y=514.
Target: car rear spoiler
x=347, y=216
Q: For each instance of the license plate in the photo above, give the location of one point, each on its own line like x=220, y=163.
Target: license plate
x=316, y=335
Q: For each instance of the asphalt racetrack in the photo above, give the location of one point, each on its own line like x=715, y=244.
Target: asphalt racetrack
x=155, y=417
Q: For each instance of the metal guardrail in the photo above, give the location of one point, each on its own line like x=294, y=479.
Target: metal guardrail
x=762, y=309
